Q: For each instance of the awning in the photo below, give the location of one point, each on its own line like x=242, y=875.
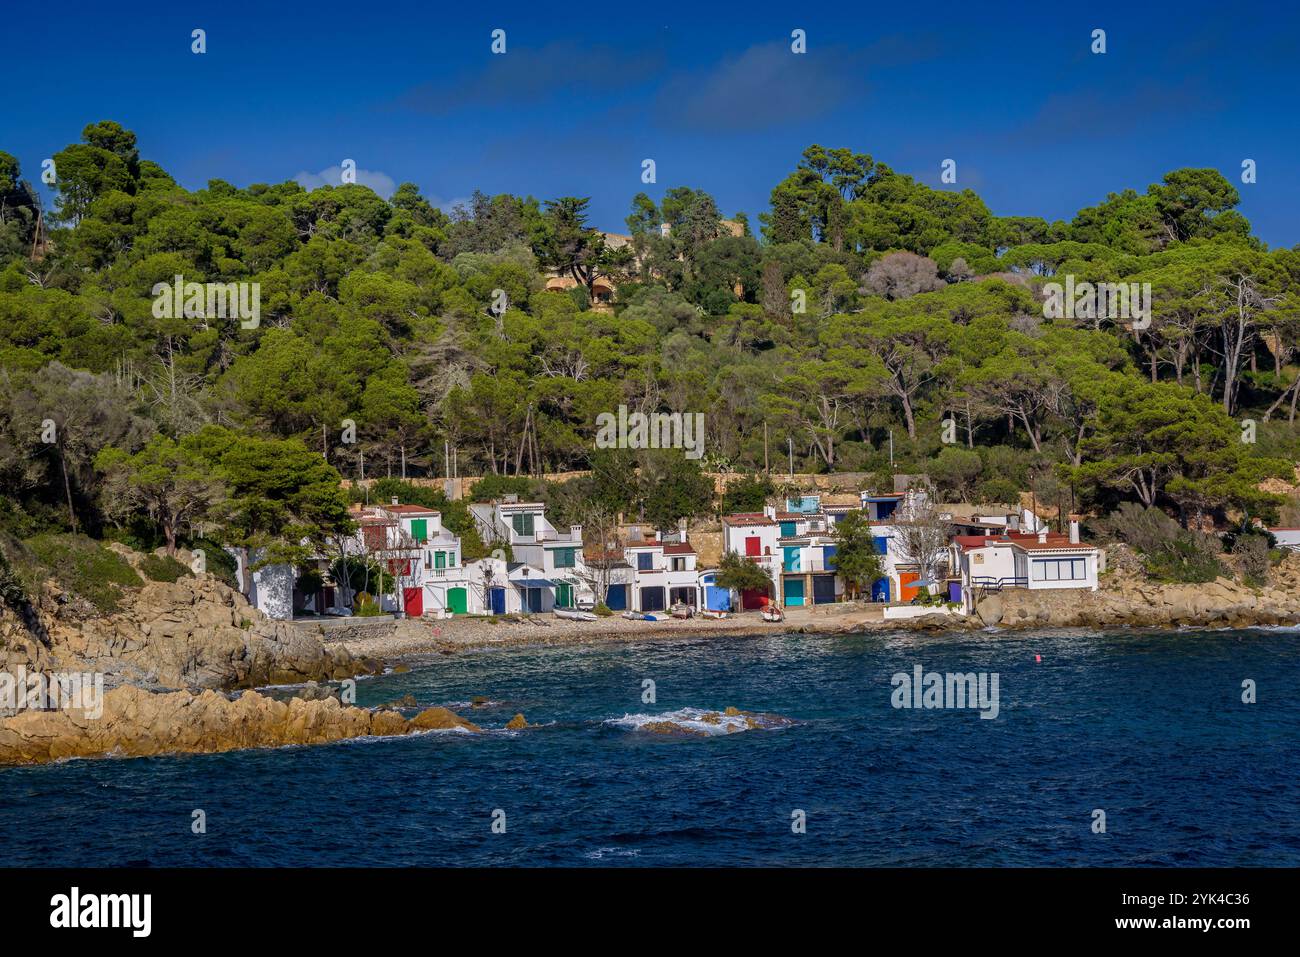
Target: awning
x=533, y=583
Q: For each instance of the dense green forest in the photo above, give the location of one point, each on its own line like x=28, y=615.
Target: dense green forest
x=865, y=314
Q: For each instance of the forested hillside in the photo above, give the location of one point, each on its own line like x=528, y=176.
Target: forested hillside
x=863, y=307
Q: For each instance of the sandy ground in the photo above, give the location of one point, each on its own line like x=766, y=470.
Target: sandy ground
x=418, y=639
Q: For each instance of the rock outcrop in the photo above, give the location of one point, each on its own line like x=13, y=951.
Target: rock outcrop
x=195, y=632
x=135, y=722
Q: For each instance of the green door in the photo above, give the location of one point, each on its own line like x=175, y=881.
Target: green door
x=564, y=595
x=420, y=529
x=456, y=602
x=793, y=592
x=439, y=559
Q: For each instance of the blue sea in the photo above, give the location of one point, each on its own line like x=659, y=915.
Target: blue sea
x=1149, y=728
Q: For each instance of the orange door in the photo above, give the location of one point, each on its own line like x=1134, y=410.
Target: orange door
x=906, y=590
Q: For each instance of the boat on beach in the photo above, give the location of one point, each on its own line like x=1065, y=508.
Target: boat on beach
x=681, y=610
x=713, y=613
x=772, y=612
x=572, y=614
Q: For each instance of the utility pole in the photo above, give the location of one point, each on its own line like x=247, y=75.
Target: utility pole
x=790, y=442
x=766, y=470
x=891, y=448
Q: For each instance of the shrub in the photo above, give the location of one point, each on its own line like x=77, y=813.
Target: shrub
x=163, y=568
x=602, y=610
x=1255, y=557
x=998, y=491
x=85, y=569
x=747, y=494
x=218, y=562
x=366, y=607
x=1172, y=553
x=12, y=591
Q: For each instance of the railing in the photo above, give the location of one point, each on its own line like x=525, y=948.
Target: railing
x=988, y=583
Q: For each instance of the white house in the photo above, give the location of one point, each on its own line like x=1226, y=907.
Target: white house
x=664, y=573
x=272, y=586
x=534, y=541
x=1044, y=560
x=755, y=535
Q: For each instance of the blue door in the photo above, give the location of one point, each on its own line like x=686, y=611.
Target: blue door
x=498, y=598
x=717, y=599
x=534, y=599
x=616, y=600
x=880, y=589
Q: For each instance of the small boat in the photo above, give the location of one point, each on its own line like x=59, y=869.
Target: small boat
x=638, y=616
x=712, y=613
x=681, y=610
x=572, y=614
x=772, y=613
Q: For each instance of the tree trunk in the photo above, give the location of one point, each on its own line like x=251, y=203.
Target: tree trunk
x=67, y=489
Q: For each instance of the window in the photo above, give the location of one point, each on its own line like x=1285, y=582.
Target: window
x=753, y=545
x=564, y=557
x=439, y=559
x=420, y=530
x=787, y=529
x=1060, y=569
x=679, y=564
x=643, y=561
x=522, y=522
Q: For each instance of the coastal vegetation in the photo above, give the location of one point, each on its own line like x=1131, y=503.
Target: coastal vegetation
x=865, y=322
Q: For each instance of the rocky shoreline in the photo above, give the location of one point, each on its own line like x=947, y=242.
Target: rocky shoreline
x=139, y=723
x=174, y=653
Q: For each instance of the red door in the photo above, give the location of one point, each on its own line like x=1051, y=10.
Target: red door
x=753, y=545
x=413, y=602
x=752, y=598
x=906, y=590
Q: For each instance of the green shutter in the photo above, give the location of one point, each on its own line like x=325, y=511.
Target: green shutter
x=420, y=529
x=439, y=559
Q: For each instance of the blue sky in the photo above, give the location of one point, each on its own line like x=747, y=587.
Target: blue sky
x=1037, y=124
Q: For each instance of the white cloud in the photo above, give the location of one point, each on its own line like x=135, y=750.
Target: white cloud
x=381, y=183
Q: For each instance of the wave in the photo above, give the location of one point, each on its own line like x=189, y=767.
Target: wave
x=699, y=721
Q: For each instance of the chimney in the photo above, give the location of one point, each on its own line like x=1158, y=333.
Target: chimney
x=659, y=537
x=1042, y=535
x=681, y=529
x=1013, y=523
x=394, y=499
x=575, y=533
x=769, y=511
x=1074, y=529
